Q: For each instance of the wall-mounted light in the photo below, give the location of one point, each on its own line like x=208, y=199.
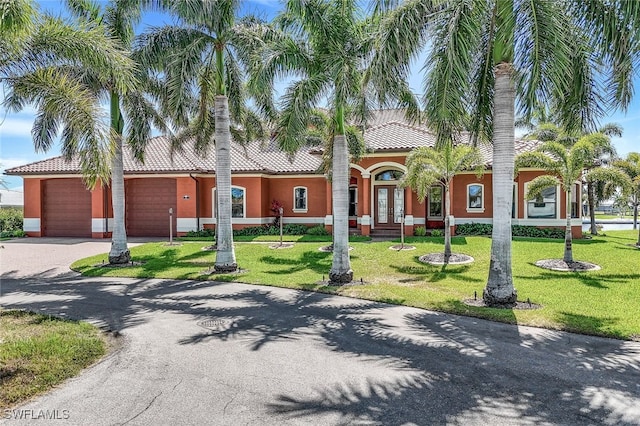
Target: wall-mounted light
x=185, y=197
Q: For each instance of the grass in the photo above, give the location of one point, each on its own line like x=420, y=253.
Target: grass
x=604, y=302
x=37, y=352
x=612, y=216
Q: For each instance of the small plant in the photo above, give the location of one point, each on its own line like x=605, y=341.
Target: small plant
x=437, y=233
x=317, y=230
x=420, y=231
x=275, y=209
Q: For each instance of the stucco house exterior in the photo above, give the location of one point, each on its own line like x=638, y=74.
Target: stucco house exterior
x=56, y=202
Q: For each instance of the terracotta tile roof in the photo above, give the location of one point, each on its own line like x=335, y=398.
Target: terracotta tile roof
x=392, y=133
x=397, y=136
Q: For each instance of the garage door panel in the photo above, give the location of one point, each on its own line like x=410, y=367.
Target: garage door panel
x=147, y=204
x=66, y=208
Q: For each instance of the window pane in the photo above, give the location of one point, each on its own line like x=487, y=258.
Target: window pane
x=435, y=201
x=544, y=206
x=300, y=198
x=475, y=196
x=389, y=175
x=237, y=202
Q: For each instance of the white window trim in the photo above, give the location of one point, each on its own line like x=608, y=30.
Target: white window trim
x=441, y=217
x=214, y=208
x=526, y=204
x=306, y=199
x=476, y=209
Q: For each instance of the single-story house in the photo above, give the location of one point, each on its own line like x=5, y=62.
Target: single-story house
x=56, y=202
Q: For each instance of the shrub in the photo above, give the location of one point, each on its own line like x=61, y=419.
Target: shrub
x=317, y=230
x=11, y=219
x=420, y=231
x=19, y=233
x=437, y=233
x=288, y=229
x=206, y=232
x=474, y=229
x=516, y=230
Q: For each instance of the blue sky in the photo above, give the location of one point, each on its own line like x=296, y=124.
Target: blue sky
x=16, y=147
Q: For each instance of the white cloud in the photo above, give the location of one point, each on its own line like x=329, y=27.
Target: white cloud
x=14, y=126
x=8, y=163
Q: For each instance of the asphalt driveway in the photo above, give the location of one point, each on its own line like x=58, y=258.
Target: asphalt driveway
x=223, y=353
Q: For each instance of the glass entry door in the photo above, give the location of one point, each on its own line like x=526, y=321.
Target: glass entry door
x=389, y=206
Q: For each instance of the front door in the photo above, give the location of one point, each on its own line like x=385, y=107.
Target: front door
x=389, y=201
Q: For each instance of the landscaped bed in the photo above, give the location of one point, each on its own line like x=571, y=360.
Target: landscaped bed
x=37, y=352
x=604, y=302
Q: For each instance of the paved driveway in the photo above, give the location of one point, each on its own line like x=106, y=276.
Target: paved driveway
x=219, y=353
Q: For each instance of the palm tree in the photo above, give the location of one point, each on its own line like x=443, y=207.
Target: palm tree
x=200, y=62
x=427, y=166
x=566, y=166
x=117, y=20
x=326, y=45
x=631, y=167
x=602, y=154
x=485, y=56
x=49, y=67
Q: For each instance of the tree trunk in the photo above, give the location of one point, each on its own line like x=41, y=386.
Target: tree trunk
x=447, y=225
x=635, y=212
x=499, y=290
x=225, y=255
x=119, y=252
x=568, y=238
x=592, y=207
x=340, y=272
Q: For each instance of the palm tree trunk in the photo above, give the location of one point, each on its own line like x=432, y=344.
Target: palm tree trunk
x=592, y=208
x=225, y=255
x=119, y=252
x=340, y=272
x=635, y=211
x=447, y=228
x=499, y=289
x=568, y=252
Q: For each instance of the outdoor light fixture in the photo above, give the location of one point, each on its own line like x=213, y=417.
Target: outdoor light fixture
x=185, y=197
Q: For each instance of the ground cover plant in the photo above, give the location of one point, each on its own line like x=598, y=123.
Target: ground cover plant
x=601, y=302
x=38, y=352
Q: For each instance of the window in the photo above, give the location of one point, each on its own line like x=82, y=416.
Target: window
x=544, y=206
x=435, y=201
x=300, y=199
x=237, y=202
x=389, y=175
x=353, y=201
x=475, y=200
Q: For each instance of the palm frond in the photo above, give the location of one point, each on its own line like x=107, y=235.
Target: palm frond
x=539, y=184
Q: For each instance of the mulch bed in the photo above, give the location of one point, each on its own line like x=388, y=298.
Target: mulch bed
x=400, y=247
x=562, y=266
x=438, y=259
x=212, y=271
x=281, y=246
x=352, y=283
x=479, y=303
x=329, y=249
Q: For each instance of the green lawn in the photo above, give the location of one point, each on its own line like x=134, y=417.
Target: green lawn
x=38, y=352
x=604, y=302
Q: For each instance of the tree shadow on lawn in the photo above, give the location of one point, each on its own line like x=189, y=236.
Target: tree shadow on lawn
x=316, y=261
x=575, y=322
x=435, y=273
x=587, y=278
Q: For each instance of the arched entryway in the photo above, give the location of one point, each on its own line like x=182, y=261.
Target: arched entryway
x=388, y=198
